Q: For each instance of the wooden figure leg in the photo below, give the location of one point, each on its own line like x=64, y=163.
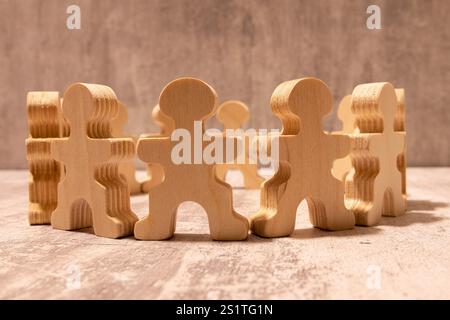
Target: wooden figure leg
x=394, y=203
x=156, y=174
x=329, y=212
x=70, y=214
x=161, y=221
x=105, y=225
x=370, y=213
x=224, y=222
x=38, y=212
x=277, y=221
x=277, y=214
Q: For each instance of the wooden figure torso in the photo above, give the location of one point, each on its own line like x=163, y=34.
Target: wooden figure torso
x=186, y=100
x=306, y=156
x=377, y=182
x=93, y=193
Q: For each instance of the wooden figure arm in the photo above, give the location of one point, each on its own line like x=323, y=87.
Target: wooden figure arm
x=112, y=149
x=270, y=141
x=342, y=143
x=58, y=148
x=360, y=142
x=38, y=149
x=154, y=149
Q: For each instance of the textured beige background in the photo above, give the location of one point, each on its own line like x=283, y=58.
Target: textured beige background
x=242, y=48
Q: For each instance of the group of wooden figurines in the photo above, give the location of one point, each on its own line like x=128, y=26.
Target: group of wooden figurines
x=82, y=170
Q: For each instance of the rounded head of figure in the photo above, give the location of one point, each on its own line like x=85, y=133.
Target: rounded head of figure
x=387, y=101
x=186, y=100
x=90, y=108
x=309, y=99
x=375, y=104
x=233, y=114
x=43, y=110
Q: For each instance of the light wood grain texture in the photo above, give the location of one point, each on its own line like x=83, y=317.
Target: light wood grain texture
x=306, y=156
x=127, y=169
x=155, y=171
x=341, y=167
x=93, y=193
x=38, y=262
x=376, y=183
x=400, y=126
x=186, y=100
x=233, y=115
x=45, y=122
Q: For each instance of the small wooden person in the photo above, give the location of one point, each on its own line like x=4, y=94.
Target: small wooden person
x=306, y=157
x=45, y=123
x=376, y=181
x=93, y=193
x=187, y=100
x=233, y=114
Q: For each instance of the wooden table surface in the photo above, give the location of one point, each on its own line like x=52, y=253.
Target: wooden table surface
x=404, y=257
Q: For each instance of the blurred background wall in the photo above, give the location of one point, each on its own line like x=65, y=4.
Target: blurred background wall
x=243, y=48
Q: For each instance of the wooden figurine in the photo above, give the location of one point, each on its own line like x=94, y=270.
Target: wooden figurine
x=93, y=193
x=306, y=156
x=127, y=169
x=155, y=171
x=187, y=100
x=45, y=122
x=376, y=181
x=341, y=167
x=233, y=114
x=399, y=126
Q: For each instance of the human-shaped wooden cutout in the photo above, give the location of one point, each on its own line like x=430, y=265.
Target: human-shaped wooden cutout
x=306, y=156
x=45, y=122
x=376, y=182
x=233, y=114
x=186, y=100
x=341, y=167
x=155, y=171
x=93, y=192
x=399, y=126
x=127, y=169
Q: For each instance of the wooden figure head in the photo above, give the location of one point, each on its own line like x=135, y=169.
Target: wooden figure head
x=165, y=123
x=88, y=114
x=307, y=101
x=233, y=114
x=378, y=113
x=186, y=100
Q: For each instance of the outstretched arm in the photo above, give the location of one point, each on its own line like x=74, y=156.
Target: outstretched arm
x=154, y=149
x=341, y=143
x=58, y=148
x=112, y=149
